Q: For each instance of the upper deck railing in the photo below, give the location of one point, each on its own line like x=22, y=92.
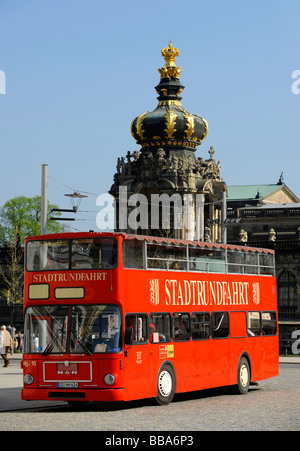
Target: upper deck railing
x=143, y=252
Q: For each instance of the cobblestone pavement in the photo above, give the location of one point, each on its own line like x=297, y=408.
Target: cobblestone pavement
x=272, y=405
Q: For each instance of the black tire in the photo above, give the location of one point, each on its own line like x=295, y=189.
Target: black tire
x=243, y=376
x=165, y=385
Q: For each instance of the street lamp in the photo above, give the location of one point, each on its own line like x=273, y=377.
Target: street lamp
x=75, y=204
x=75, y=198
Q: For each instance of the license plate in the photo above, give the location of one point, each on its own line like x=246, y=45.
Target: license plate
x=67, y=384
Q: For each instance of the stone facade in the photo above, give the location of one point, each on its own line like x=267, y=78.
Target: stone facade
x=162, y=172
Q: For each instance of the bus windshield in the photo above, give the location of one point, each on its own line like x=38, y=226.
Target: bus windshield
x=74, y=329
x=83, y=253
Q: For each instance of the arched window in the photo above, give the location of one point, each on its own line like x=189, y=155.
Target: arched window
x=287, y=289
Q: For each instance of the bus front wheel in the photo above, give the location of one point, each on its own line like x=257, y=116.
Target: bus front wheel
x=244, y=378
x=165, y=385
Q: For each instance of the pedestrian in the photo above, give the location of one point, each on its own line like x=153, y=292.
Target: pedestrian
x=20, y=341
x=2, y=347
x=6, y=341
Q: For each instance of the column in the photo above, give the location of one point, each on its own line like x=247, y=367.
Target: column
x=199, y=232
x=223, y=217
x=189, y=216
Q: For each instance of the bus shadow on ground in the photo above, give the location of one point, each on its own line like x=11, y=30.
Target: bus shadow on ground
x=149, y=402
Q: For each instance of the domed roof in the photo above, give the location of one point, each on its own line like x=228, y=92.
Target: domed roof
x=169, y=126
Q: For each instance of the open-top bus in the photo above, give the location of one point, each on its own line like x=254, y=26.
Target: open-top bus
x=122, y=317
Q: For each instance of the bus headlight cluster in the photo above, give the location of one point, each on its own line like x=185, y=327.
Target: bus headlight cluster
x=28, y=379
x=109, y=379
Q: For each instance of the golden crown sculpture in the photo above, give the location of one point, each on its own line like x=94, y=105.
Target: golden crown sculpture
x=170, y=70
x=169, y=54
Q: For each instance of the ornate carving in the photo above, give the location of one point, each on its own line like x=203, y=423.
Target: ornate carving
x=210, y=169
x=136, y=155
x=147, y=166
x=208, y=187
x=190, y=125
x=139, y=124
x=170, y=123
x=167, y=72
x=161, y=154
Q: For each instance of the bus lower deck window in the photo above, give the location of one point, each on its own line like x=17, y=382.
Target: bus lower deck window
x=138, y=323
x=219, y=324
x=159, y=327
x=253, y=324
x=181, y=326
x=200, y=323
x=269, y=323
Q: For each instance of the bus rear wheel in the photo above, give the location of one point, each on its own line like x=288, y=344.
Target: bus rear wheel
x=165, y=385
x=244, y=378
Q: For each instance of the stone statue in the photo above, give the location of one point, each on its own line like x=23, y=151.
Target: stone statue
x=243, y=236
x=207, y=234
x=272, y=235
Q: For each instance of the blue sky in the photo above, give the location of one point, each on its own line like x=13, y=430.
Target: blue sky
x=79, y=71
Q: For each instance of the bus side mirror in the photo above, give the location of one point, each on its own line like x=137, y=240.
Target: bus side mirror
x=128, y=336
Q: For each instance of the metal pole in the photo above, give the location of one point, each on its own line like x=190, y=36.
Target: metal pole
x=223, y=217
x=44, y=199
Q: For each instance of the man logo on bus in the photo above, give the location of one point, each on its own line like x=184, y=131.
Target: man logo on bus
x=256, y=294
x=154, y=291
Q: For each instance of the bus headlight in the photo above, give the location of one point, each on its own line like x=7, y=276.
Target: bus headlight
x=109, y=379
x=28, y=379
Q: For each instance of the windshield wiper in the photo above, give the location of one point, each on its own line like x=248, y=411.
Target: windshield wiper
x=50, y=345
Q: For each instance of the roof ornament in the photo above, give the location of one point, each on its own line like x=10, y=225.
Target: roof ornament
x=169, y=126
x=281, y=180
x=169, y=54
x=170, y=70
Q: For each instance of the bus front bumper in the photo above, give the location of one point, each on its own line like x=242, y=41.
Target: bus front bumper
x=41, y=394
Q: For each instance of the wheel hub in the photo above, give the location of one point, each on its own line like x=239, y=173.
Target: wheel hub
x=244, y=376
x=165, y=383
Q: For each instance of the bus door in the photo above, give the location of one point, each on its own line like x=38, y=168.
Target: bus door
x=139, y=383
x=220, y=355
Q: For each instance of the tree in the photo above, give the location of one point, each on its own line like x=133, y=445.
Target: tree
x=13, y=274
x=20, y=217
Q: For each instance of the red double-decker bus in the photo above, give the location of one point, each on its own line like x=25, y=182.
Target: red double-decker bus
x=121, y=317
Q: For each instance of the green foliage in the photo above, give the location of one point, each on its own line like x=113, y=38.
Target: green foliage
x=12, y=274
x=20, y=217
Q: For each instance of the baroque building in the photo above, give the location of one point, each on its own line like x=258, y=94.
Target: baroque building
x=163, y=189
x=268, y=216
